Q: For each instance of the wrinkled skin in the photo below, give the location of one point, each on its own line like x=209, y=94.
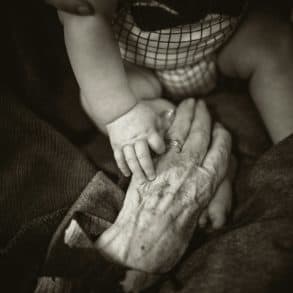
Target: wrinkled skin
x=158, y=218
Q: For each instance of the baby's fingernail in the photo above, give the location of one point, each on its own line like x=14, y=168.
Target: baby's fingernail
x=85, y=9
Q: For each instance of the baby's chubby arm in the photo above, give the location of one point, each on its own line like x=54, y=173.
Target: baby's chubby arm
x=262, y=52
x=96, y=61
x=105, y=93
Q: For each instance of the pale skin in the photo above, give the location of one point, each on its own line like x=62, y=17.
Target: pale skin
x=249, y=55
x=133, y=127
x=158, y=218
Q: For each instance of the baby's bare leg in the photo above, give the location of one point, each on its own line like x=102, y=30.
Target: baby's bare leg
x=262, y=53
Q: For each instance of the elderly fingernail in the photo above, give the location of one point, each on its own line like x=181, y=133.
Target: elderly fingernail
x=85, y=9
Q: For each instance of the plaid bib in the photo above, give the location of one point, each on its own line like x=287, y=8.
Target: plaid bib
x=183, y=57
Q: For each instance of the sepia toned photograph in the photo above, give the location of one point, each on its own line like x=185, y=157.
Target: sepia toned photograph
x=146, y=146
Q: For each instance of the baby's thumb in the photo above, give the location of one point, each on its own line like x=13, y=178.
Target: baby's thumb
x=156, y=143
x=165, y=120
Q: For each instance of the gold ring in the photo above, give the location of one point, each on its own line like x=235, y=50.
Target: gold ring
x=175, y=143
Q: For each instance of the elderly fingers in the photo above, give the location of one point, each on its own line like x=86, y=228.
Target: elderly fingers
x=181, y=124
x=217, y=159
x=199, y=136
x=220, y=205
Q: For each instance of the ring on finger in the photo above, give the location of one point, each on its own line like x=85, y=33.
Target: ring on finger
x=169, y=113
x=175, y=143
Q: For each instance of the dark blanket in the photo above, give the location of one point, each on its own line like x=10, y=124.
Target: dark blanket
x=50, y=152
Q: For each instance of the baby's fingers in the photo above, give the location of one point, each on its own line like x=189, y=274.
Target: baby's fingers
x=157, y=143
x=133, y=163
x=121, y=163
x=144, y=158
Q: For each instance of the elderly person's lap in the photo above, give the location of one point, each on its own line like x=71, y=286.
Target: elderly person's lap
x=258, y=237
x=248, y=239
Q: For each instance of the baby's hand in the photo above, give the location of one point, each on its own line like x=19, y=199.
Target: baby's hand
x=131, y=135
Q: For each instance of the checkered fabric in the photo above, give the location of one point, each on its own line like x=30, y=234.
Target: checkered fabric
x=183, y=57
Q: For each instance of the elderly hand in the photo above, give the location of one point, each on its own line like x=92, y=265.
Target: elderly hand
x=158, y=218
x=79, y=7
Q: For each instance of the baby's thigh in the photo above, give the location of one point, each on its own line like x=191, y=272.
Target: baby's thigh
x=263, y=37
x=271, y=37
